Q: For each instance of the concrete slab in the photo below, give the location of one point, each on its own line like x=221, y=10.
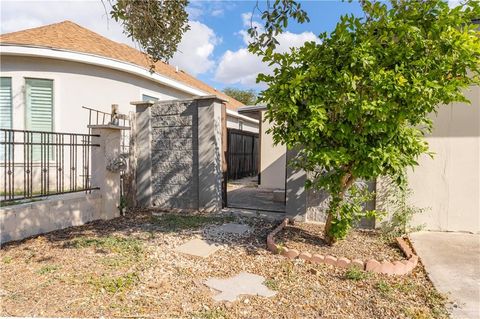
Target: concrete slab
x=274, y=216
x=452, y=261
x=231, y=229
x=245, y=197
x=197, y=247
x=242, y=284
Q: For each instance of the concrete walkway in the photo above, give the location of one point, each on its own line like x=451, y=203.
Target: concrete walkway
x=452, y=261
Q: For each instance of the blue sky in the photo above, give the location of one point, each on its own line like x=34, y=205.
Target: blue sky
x=227, y=20
x=214, y=50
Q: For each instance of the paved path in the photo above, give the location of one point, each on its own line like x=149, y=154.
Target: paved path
x=242, y=284
x=452, y=261
x=253, y=198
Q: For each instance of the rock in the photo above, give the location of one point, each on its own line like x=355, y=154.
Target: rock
x=372, y=265
x=317, y=259
x=305, y=256
x=343, y=262
x=330, y=260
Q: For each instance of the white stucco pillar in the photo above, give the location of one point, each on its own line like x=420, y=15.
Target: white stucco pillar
x=107, y=180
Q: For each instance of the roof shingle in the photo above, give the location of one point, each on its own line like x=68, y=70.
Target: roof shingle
x=70, y=36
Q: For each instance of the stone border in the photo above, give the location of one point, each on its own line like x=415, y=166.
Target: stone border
x=396, y=268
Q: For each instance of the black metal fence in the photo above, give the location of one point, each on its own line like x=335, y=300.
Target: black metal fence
x=242, y=154
x=97, y=117
x=37, y=164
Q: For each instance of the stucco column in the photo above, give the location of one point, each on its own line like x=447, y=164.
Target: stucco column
x=209, y=153
x=142, y=136
x=296, y=203
x=108, y=181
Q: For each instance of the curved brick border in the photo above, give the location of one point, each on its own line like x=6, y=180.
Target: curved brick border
x=396, y=268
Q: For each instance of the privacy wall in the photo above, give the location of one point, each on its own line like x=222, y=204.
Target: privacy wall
x=178, y=153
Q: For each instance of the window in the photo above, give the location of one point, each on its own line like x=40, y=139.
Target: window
x=39, y=113
x=5, y=102
x=149, y=98
x=39, y=98
x=5, y=110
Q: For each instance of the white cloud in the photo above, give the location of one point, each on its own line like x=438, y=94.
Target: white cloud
x=242, y=67
x=19, y=15
x=195, y=13
x=200, y=9
x=195, y=51
x=217, y=12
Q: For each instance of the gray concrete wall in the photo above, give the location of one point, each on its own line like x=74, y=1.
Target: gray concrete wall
x=178, y=147
x=296, y=195
x=209, y=154
x=309, y=204
x=174, y=147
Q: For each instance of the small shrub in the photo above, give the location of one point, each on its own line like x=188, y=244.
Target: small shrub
x=271, y=284
x=47, y=269
x=383, y=287
x=399, y=224
x=289, y=271
x=356, y=274
x=115, y=262
x=406, y=287
x=114, y=244
x=175, y=222
x=7, y=259
x=216, y=313
x=114, y=285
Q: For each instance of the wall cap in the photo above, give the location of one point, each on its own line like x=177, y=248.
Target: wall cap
x=208, y=97
x=109, y=126
x=148, y=103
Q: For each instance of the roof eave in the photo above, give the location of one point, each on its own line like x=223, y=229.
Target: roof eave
x=88, y=58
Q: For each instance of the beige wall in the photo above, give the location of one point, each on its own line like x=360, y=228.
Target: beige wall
x=272, y=159
x=234, y=122
x=448, y=185
x=77, y=85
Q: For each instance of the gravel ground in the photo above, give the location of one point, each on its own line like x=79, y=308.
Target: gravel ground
x=127, y=267
x=361, y=244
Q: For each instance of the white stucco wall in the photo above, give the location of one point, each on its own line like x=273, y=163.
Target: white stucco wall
x=448, y=186
x=239, y=122
x=272, y=159
x=80, y=84
x=77, y=85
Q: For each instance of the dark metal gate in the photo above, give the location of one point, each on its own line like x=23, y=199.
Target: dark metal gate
x=242, y=154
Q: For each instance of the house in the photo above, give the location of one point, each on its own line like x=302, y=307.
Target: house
x=48, y=73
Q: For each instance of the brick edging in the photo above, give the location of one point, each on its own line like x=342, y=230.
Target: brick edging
x=396, y=268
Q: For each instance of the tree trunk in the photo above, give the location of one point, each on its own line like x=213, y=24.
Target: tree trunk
x=328, y=225
x=346, y=182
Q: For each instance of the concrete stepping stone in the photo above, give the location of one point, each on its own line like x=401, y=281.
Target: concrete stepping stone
x=231, y=229
x=197, y=247
x=242, y=284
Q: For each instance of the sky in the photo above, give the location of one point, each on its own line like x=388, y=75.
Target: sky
x=214, y=49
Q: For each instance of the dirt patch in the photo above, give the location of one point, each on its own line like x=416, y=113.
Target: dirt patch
x=359, y=244
x=128, y=267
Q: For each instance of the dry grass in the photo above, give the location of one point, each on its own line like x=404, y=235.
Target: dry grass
x=128, y=267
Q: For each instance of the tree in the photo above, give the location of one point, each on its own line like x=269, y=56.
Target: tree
x=156, y=25
x=247, y=97
x=356, y=105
